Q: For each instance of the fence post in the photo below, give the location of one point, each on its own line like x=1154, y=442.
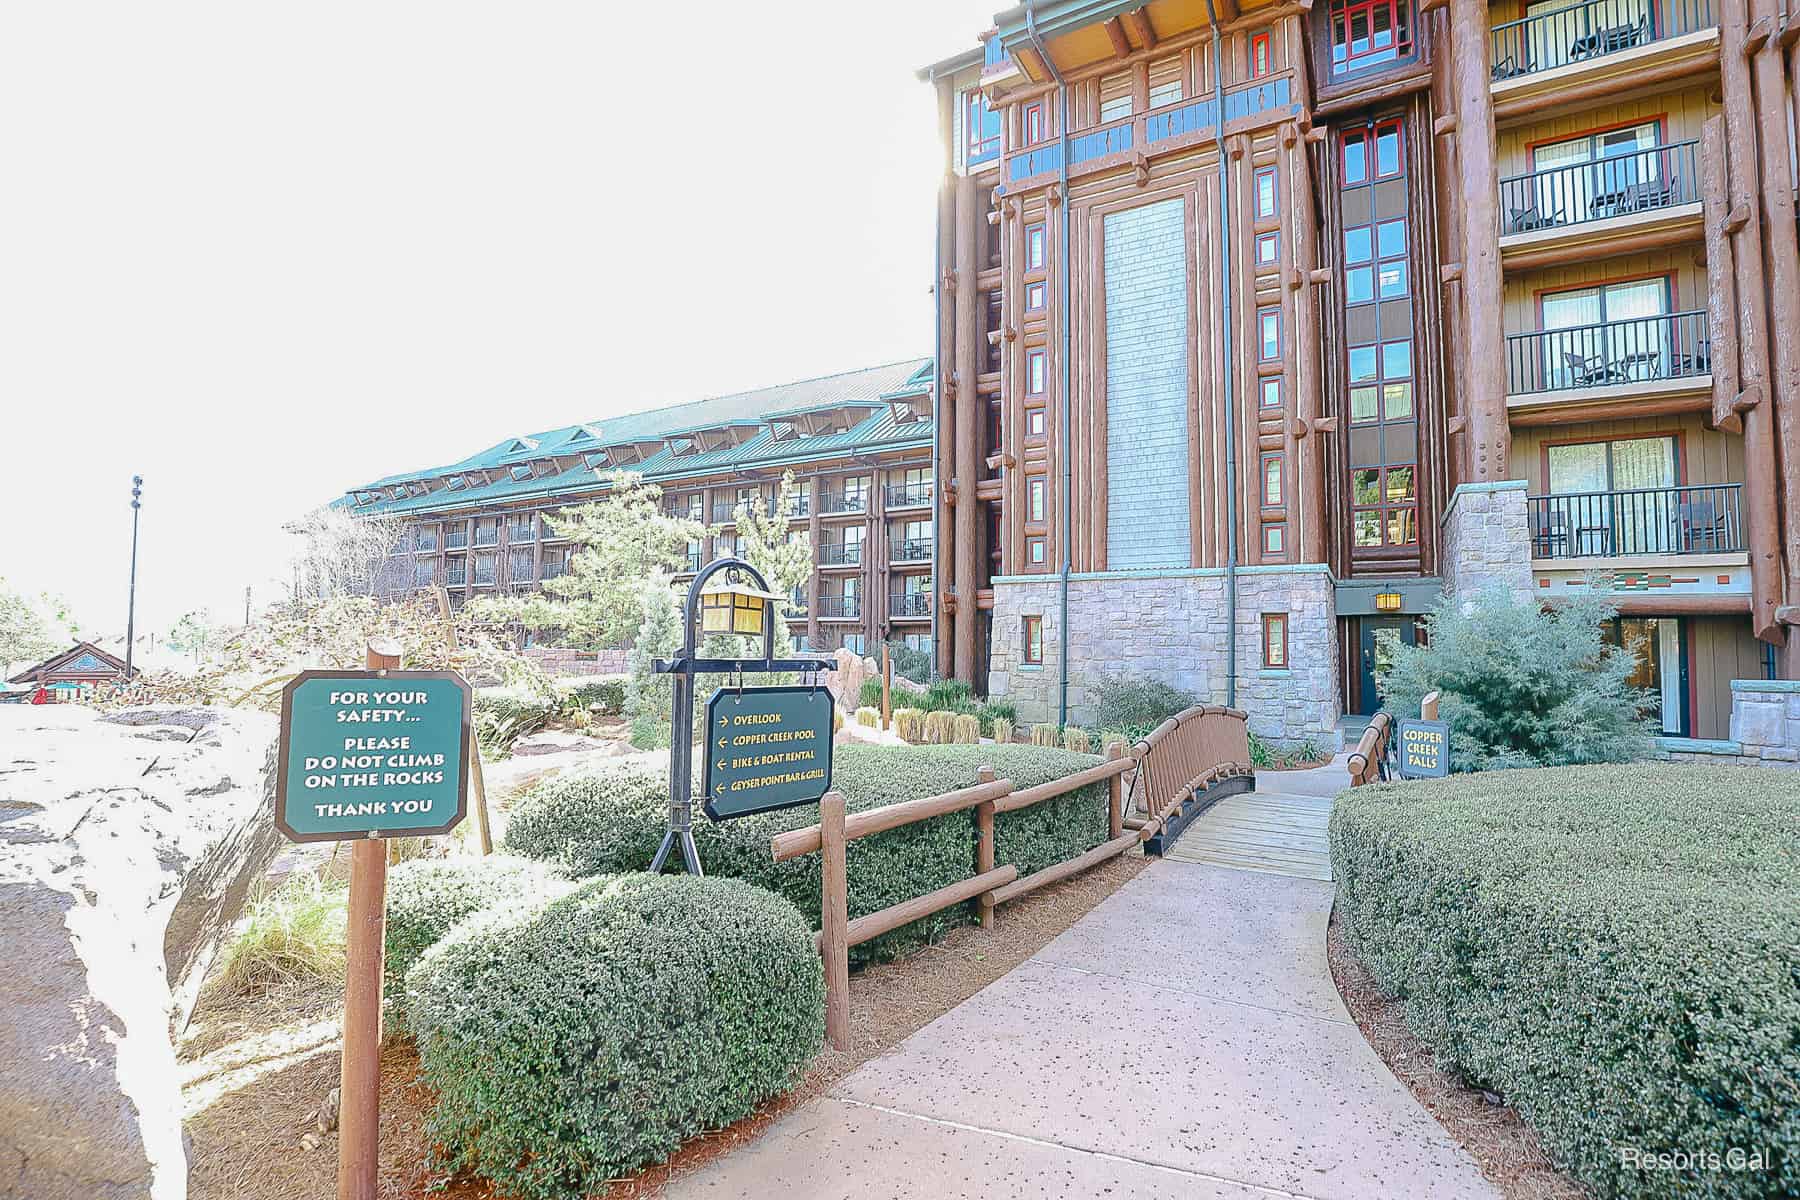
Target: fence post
x=834, y=920
x=1428, y=707
x=1115, y=794
x=984, y=846
x=887, y=688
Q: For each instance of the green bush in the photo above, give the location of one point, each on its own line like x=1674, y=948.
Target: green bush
x=606, y=693
x=1134, y=707
x=612, y=819
x=1612, y=949
x=1523, y=685
x=574, y=1040
x=427, y=898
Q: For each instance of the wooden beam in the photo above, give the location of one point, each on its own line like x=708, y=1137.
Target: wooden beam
x=1115, y=33
x=1450, y=272
x=1138, y=22
x=1490, y=437
x=905, y=913
x=1444, y=124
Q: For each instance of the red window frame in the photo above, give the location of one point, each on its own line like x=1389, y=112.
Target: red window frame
x=1032, y=125
x=1275, y=641
x=1357, y=137
x=1263, y=318
x=1037, y=372
x=1262, y=56
x=974, y=109
x=1035, y=243
x=1399, y=131
x=1275, y=539
x=1273, y=239
x=1036, y=295
x=1256, y=191
x=1344, y=14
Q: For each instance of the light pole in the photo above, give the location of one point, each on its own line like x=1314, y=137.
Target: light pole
x=137, y=490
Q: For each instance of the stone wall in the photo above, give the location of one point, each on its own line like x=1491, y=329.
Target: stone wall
x=1765, y=728
x=1172, y=626
x=1486, y=539
x=557, y=661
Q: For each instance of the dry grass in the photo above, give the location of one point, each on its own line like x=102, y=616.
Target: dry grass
x=256, y=1069
x=1505, y=1148
x=292, y=936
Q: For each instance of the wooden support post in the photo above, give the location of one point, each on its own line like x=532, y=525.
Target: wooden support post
x=965, y=558
x=1490, y=438
x=834, y=920
x=365, y=933
x=887, y=687
x=1115, y=794
x=1428, y=707
x=1308, y=369
x=984, y=846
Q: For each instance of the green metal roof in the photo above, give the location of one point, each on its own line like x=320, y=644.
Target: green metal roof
x=880, y=430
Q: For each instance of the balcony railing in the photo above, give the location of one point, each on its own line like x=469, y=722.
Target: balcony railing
x=908, y=495
x=489, y=536
x=522, y=533
x=1638, y=350
x=840, y=554
x=909, y=604
x=847, y=502
x=847, y=608
x=425, y=543
x=1641, y=181
x=456, y=539
x=724, y=511
x=799, y=506
x=1591, y=29
x=456, y=574
x=1703, y=519
x=912, y=550
x=796, y=606
x=482, y=576
x=692, y=563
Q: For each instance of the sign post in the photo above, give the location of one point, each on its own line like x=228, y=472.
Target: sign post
x=766, y=748
x=737, y=608
x=1424, y=748
x=367, y=755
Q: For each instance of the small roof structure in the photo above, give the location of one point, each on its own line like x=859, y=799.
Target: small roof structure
x=83, y=662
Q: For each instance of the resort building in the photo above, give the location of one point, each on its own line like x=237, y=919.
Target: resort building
x=859, y=446
x=1262, y=324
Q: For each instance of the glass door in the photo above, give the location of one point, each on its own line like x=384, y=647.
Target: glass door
x=1609, y=498
x=1662, y=670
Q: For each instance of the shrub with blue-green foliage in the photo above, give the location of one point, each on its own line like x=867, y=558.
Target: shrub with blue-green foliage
x=612, y=819
x=1613, y=949
x=428, y=897
x=1134, y=707
x=573, y=1040
x=603, y=692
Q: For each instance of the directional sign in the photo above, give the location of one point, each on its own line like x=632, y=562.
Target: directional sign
x=1424, y=748
x=766, y=748
x=372, y=754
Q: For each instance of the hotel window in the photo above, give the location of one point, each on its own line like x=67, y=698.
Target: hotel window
x=1035, y=294
x=1165, y=81
x=1034, y=372
x=1262, y=59
x=1031, y=119
x=1035, y=551
x=1274, y=540
x=981, y=128
x=1268, y=249
x=1621, y=175
x=1033, y=640
x=1034, y=423
x=1607, y=332
x=1268, y=332
x=1275, y=641
x=1034, y=247
x=1034, y=508
x=1271, y=392
x=424, y=572
x=1266, y=192
x=1369, y=33
x=853, y=642
x=1271, y=488
x=1115, y=97
x=1356, y=158
x=1390, y=160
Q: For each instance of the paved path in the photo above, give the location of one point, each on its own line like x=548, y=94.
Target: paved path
x=1278, y=828
x=1182, y=1040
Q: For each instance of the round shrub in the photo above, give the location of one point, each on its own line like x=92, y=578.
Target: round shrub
x=428, y=897
x=1610, y=948
x=574, y=1040
x=594, y=822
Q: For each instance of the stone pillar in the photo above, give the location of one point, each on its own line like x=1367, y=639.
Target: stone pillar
x=1765, y=720
x=1490, y=439
x=1487, y=539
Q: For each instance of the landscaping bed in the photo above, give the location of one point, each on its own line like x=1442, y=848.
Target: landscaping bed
x=1610, y=950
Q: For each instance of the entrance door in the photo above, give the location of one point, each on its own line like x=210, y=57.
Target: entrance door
x=1375, y=649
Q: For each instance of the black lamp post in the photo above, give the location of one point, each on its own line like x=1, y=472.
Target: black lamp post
x=137, y=491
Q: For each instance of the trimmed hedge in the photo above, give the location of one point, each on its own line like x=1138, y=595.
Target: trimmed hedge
x=427, y=898
x=612, y=820
x=570, y=1041
x=1613, y=949
x=604, y=692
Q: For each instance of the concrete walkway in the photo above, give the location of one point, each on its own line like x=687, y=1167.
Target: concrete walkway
x=1182, y=1040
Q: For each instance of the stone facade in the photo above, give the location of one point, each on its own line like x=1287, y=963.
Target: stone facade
x=1765, y=728
x=1171, y=626
x=1487, y=539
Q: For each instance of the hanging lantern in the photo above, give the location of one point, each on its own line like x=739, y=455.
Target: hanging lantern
x=1387, y=602
x=735, y=608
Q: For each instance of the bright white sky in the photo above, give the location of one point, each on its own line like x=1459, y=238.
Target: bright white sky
x=261, y=253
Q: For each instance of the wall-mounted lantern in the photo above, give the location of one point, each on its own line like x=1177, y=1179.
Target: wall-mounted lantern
x=1387, y=602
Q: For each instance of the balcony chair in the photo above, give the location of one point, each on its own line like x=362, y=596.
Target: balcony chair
x=1702, y=526
x=1520, y=220
x=1550, y=536
x=1592, y=371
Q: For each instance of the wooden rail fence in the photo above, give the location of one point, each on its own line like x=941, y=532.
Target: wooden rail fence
x=1168, y=776
x=1371, y=761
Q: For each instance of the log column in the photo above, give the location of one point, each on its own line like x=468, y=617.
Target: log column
x=943, y=468
x=1309, y=457
x=1782, y=248
x=875, y=556
x=1490, y=440
x=1735, y=328
x=812, y=581
x=968, y=426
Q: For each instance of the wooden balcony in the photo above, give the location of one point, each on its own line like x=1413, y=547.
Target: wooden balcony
x=1599, y=49
x=908, y=495
x=840, y=554
x=840, y=608
x=909, y=606
x=1626, y=204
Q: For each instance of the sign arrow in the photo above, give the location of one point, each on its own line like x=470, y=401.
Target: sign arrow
x=722, y=743
x=721, y=764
